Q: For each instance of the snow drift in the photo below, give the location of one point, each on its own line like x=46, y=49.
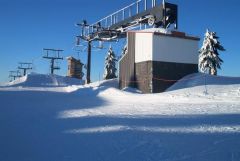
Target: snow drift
x=200, y=79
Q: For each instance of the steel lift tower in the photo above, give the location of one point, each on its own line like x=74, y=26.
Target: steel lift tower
x=142, y=13
x=53, y=55
x=25, y=67
x=14, y=74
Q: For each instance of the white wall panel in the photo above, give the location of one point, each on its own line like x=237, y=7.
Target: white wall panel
x=143, y=47
x=172, y=49
x=150, y=47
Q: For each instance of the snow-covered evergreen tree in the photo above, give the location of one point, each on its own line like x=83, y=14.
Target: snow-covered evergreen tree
x=110, y=65
x=209, y=60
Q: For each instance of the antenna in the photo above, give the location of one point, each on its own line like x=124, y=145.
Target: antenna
x=25, y=66
x=53, y=54
x=14, y=74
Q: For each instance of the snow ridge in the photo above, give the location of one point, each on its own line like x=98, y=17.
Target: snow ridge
x=42, y=80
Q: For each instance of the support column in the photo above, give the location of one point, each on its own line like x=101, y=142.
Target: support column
x=24, y=72
x=89, y=62
x=52, y=66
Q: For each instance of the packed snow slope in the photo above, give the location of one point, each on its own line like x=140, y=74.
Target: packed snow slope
x=42, y=80
x=98, y=122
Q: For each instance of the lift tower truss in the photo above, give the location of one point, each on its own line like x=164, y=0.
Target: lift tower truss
x=136, y=15
x=53, y=55
x=25, y=67
x=14, y=74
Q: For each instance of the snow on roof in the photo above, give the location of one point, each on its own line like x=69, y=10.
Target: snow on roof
x=157, y=30
x=167, y=32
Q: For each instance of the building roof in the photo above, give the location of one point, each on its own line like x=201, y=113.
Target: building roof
x=166, y=32
x=74, y=59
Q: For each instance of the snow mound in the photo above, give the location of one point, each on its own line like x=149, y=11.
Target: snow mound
x=200, y=79
x=43, y=80
x=132, y=90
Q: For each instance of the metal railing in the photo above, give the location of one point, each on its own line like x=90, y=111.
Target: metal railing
x=120, y=15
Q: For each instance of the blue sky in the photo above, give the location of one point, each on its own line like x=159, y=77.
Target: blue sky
x=28, y=26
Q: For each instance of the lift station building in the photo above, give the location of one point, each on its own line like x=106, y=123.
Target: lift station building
x=157, y=58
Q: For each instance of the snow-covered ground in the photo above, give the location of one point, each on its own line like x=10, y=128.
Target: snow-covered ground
x=43, y=80
x=98, y=122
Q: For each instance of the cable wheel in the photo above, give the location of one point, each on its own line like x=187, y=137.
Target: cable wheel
x=151, y=20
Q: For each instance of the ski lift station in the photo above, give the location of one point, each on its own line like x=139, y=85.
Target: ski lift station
x=158, y=54
x=156, y=59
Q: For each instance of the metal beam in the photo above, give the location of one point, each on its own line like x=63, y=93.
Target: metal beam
x=116, y=29
x=52, y=49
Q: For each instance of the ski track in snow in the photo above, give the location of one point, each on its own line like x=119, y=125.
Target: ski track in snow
x=193, y=129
